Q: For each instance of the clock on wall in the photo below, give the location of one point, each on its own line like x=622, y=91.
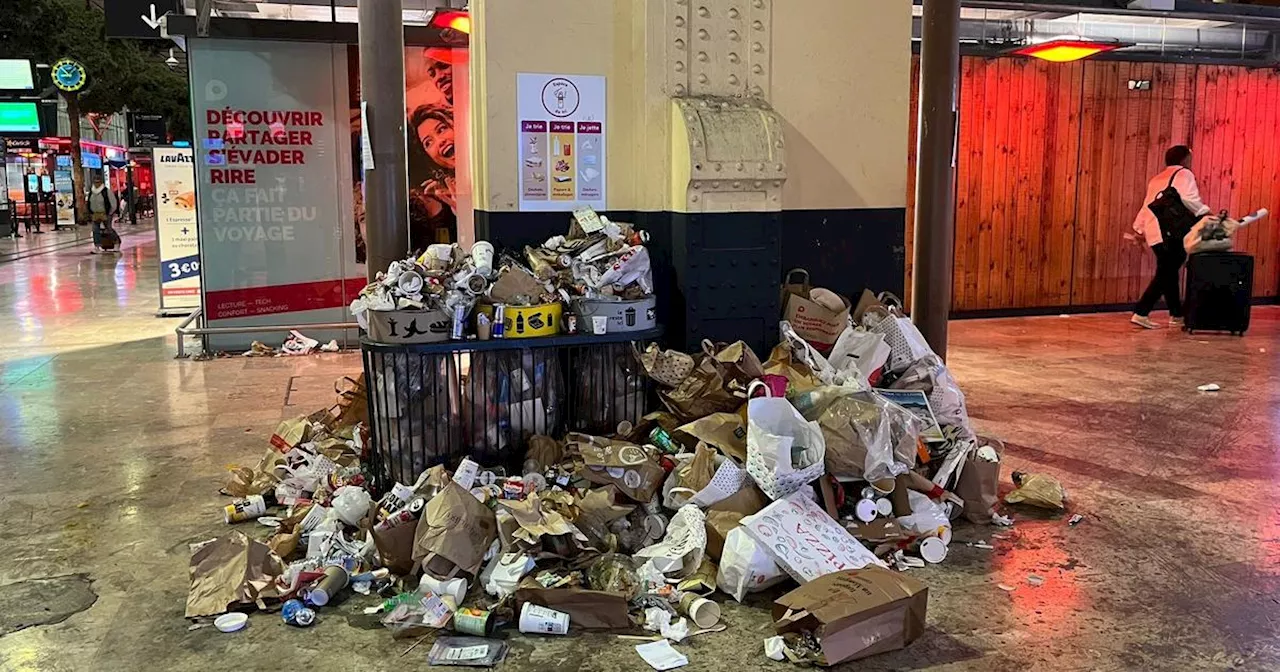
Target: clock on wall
x=69, y=75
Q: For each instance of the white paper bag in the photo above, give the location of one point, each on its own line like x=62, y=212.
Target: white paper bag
x=680, y=552
x=784, y=451
x=859, y=353
x=744, y=567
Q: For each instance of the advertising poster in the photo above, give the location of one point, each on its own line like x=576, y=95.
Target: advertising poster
x=271, y=180
x=177, y=234
x=561, y=135
x=432, y=157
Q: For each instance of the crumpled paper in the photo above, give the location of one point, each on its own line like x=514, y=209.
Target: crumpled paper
x=657, y=619
x=535, y=520
x=231, y=570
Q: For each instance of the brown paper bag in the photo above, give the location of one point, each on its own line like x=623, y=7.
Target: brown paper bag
x=665, y=367
x=395, y=547
x=725, y=431
x=737, y=361
x=244, y=481
x=587, y=609
x=627, y=466
x=698, y=473
x=543, y=452
x=231, y=570
x=799, y=376
x=353, y=403
x=703, y=392
x=812, y=321
x=979, y=486
x=513, y=282
x=727, y=514
x=454, y=533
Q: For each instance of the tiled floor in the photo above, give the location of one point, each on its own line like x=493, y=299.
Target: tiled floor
x=113, y=452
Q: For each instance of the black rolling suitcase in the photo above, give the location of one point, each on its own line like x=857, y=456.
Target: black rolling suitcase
x=1219, y=292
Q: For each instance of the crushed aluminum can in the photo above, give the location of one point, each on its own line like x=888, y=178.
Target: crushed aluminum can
x=297, y=614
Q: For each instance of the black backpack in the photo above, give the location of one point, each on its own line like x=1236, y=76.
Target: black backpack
x=1172, y=214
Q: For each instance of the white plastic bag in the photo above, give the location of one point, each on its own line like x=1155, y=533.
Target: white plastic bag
x=906, y=343
x=932, y=377
x=859, y=353
x=928, y=518
x=744, y=567
x=784, y=451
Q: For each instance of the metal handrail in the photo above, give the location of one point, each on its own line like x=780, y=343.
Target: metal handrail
x=182, y=330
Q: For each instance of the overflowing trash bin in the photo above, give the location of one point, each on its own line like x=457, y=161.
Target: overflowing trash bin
x=596, y=481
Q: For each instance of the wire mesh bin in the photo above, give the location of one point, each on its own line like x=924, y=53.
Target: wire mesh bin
x=437, y=403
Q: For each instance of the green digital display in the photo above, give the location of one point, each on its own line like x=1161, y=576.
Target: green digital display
x=19, y=117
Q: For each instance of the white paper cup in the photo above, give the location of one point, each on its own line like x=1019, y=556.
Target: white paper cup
x=482, y=257
x=599, y=324
x=335, y=578
x=410, y=283
x=866, y=510
x=241, y=510
x=933, y=550
x=703, y=612
x=885, y=506
x=454, y=588
x=537, y=620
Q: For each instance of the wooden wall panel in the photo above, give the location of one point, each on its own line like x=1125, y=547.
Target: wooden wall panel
x=1015, y=183
x=1053, y=162
x=1235, y=156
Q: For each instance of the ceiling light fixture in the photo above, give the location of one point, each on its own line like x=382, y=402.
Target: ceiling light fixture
x=1066, y=49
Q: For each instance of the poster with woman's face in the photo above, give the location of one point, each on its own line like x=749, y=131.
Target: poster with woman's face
x=429, y=116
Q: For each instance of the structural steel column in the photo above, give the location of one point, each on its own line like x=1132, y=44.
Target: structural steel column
x=935, y=225
x=386, y=182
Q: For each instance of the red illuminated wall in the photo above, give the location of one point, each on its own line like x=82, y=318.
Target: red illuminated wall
x=1053, y=163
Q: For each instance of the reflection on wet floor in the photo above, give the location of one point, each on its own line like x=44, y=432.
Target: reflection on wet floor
x=113, y=453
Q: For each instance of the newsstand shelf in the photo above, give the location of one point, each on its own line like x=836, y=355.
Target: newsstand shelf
x=566, y=340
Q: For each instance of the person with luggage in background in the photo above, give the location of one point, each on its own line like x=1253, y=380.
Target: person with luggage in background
x=102, y=204
x=1171, y=207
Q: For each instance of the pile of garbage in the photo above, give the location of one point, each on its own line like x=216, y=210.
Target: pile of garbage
x=596, y=278
x=840, y=461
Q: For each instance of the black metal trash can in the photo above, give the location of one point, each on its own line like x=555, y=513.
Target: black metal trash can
x=437, y=403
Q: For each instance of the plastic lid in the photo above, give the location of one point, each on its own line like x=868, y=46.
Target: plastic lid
x=866, y=510
x=933, y=550
x=231, y=622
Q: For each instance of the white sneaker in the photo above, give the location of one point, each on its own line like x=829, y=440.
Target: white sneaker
x=1143, y=321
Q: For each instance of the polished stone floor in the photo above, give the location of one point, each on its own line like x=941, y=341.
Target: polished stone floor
x=113, y=452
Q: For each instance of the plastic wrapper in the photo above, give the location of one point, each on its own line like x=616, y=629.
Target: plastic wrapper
x=467, y=652
x=509, y=397
x=928, y=518
x=1039, y=490
x=614, y=573
x=867, y=436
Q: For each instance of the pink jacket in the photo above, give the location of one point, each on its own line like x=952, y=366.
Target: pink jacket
x=1145, y=224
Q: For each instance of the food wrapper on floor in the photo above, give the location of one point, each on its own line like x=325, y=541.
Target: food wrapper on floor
x=1037, y=490
x=587, y=609
x=805, y=541
x=979, y=483
x=818, y=315
x=855, y=614
x=259, y=480
x=454, y=533
x=231, y=570
x=537, y=521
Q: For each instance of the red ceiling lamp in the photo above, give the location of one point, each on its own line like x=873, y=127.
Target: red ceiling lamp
x=454, y=20
x=1066, y=49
